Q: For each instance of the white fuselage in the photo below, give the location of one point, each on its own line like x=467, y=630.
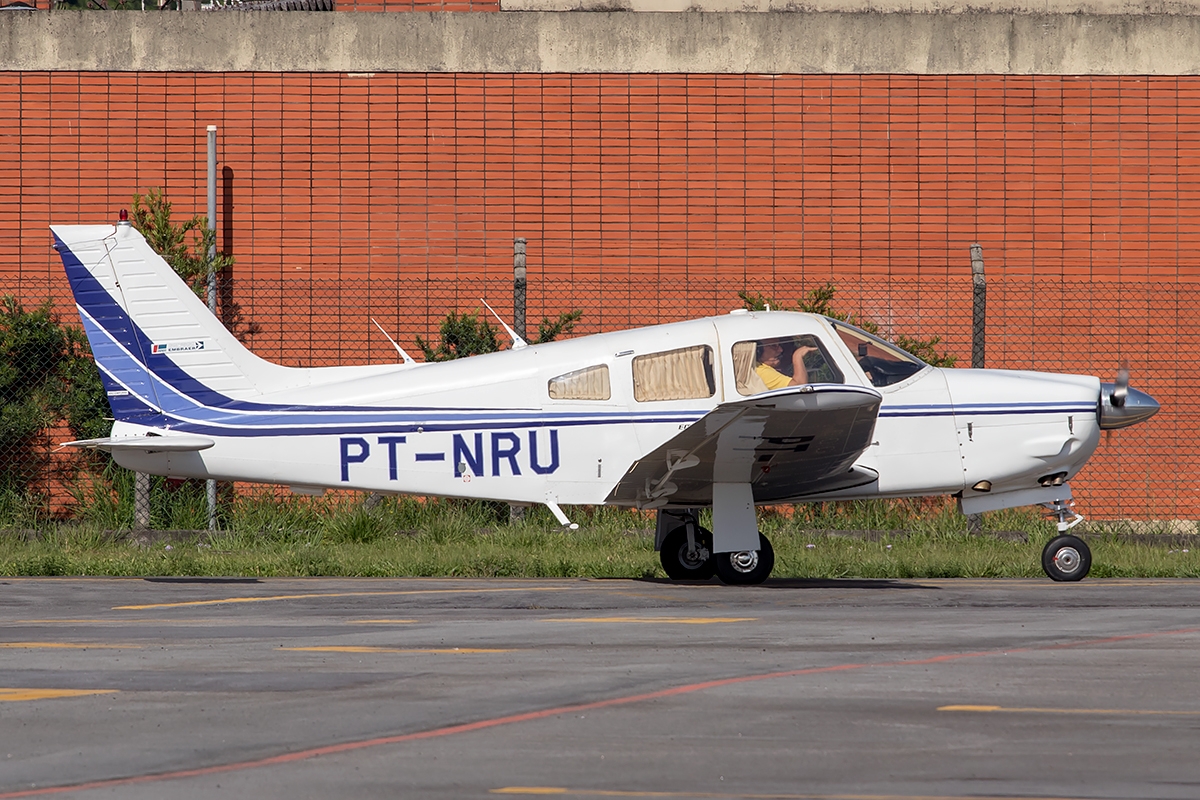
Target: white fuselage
x=487, y=427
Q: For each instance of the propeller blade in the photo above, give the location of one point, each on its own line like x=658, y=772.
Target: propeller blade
x=1121, y=389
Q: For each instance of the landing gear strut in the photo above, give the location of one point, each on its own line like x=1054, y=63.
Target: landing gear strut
x=1065, y=558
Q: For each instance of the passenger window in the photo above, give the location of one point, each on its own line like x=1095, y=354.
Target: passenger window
x=582, y=384
x=883, y=362
x=766, y=364
x=683, y=374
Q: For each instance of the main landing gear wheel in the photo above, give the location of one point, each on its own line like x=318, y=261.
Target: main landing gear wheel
x=748, y=566
x=1067, y=558
x=679, y=564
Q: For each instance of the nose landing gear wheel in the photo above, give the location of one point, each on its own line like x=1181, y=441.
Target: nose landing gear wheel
x=683, y=566
x=1067, y=558
x=748, y=566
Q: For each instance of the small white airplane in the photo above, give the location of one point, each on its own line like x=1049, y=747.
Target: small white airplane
x=727, y=412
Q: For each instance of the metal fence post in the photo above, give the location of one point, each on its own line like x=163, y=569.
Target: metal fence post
x=141, y=501
x=212, y=217
x=519, y=286
x=516, y=512
x=210, y=486
x=979, y=321
x=978, y=339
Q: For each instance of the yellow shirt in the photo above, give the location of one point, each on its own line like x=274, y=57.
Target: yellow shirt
x=773, y=378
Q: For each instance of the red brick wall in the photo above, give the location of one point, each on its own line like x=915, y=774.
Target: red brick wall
x=821, y=175
x=1082, y=191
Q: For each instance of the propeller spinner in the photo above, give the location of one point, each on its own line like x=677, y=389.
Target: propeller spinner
x=1121, y=406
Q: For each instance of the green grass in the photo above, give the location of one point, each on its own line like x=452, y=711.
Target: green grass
x=268, y=536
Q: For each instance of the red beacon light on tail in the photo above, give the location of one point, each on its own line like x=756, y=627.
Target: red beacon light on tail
x=123, y=217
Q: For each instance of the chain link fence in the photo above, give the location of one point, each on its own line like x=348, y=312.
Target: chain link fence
x=1145, y=472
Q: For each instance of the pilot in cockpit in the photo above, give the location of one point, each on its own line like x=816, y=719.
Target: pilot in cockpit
x=766, y=364
x=772, y=367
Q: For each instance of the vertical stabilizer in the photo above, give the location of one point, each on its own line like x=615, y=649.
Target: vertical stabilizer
x=158, y=346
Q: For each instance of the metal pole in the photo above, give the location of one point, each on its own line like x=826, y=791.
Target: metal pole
x=210, y=486
x=212, y=216
x=516, y=511
x=979, y=322
x=519, y=287
x=141, y=501
x=978, y=339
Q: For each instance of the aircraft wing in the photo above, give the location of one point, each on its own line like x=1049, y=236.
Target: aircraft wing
x=788, y=443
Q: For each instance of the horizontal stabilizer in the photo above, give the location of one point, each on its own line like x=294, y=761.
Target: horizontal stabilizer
x=178, y=443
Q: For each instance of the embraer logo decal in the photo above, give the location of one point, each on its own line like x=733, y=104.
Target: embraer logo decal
x=471, y=454
x=176, y=347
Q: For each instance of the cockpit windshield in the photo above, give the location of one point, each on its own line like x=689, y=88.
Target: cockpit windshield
x=883, y=362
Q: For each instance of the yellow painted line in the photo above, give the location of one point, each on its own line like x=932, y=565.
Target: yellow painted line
x=359, y=649
x=1109, y=711
x=572, y=792
x=380, y=621
x=315, y=595
x=654, y=620
x=68, y=646
x=17, y=695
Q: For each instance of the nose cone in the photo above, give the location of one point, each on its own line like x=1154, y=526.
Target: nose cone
x=1138, y=407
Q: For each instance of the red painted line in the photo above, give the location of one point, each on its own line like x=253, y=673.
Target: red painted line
x=468, y=727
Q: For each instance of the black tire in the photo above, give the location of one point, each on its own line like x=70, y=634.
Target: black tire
x=1067, y=558
x=674, y=556
x=748, y=567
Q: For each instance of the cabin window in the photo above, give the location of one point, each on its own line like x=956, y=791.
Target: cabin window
x=590, y=383
x=766, y=364
x=882, y=362
x=683, y=374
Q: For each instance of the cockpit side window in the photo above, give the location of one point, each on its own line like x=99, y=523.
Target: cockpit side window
x=683, y=374
x=883, y=362
x=765, y=364
x=590, y=383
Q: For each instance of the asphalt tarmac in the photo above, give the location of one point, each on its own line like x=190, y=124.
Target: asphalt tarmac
x=410, y=688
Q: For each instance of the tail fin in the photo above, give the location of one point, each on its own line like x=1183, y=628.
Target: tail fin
x=158, y=347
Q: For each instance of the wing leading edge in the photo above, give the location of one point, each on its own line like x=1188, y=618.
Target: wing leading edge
x=786, y=444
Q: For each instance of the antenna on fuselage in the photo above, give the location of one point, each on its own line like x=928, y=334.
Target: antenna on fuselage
x=517, y=341
x=407, y=358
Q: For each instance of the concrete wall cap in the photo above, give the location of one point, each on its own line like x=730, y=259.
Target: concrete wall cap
x=614, y=42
